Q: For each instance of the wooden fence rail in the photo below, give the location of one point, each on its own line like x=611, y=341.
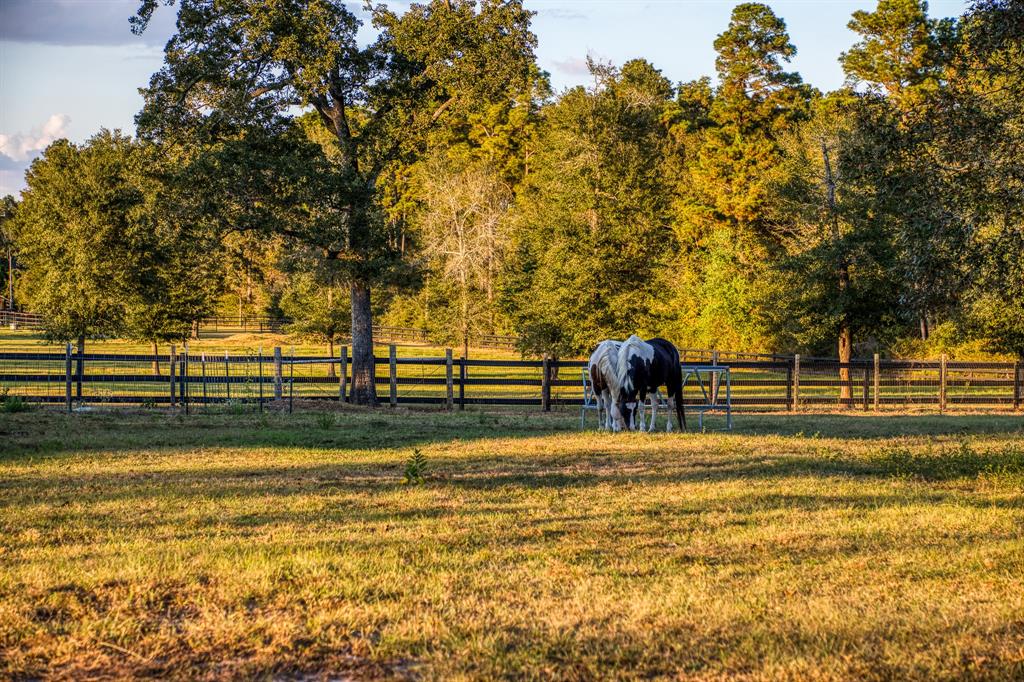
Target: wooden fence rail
x=182, y=378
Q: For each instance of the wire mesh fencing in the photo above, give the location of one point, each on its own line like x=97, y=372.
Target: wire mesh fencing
x=428, y=376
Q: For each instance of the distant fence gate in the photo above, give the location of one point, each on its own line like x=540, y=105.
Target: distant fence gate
x=195, y=379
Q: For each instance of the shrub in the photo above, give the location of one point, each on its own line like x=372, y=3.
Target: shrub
x=415, y=467
x=12, y=403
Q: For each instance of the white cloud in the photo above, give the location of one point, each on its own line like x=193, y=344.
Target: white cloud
x=573, y=66
x=23, y=146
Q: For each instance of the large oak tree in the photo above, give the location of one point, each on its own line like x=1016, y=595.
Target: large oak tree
x=238, y=66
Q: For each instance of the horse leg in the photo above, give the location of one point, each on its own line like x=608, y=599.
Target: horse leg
x=654, y=412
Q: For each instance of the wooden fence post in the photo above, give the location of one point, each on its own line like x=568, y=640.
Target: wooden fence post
x=878, y=369
x=173, y=367
x=462, y=383
x=448, y=377
x=202, y=369
x=545, y=384
x=1016, y=384
x=278, y=378
x=343, y=375
x=796, y=381
x=942, y=383
x=259, y=379
x=227, y=377
x=393, y=374
x=79, y=370
x=865, y=387
x=789, y=386
x=183, y=383
x=68, y=378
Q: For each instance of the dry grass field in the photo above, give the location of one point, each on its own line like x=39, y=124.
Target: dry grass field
x=802, y=547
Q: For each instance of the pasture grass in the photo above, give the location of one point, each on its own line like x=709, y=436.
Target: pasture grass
x=825, y=546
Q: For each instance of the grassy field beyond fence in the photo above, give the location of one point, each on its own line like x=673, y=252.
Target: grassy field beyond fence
x=797, y=547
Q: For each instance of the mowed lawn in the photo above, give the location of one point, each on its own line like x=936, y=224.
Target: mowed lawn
x=797, y=547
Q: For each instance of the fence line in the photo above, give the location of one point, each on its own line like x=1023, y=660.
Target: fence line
x=181, y=379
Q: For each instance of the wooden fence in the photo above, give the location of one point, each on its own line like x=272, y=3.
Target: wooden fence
x=183, y=379
x=275, y=325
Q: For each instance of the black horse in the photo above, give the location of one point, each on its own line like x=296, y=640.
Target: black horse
x=645, y=366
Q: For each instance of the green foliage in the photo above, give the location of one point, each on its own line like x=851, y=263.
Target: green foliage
x=590, y=244
x=902, y=51
x=434, y=165
x=959, y=462
x=315, y=301
x=326, y=420
x=104, y=252
x=728, y=233
x=415, y=467
x=10, y=404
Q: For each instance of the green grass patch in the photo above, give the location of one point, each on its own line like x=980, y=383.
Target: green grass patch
x=830, y=546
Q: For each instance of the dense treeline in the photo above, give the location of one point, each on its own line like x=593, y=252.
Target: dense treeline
x=431, y=178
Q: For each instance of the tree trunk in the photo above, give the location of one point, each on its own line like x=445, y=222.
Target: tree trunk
x=330, y=352
x=156, y=359
x=364, y=390
x=924, y=327
x=843, y=271
x=845, y=352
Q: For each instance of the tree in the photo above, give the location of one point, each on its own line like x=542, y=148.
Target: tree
x=8, y=208
x=984, y=116
x=462, y=231
x=102, y=254
x=590, y=241
x=177, y=279
x=903, y=54
x=313, y=299
x=723, y=220
x=239, y=64
x=833, y=280
x=81, y=236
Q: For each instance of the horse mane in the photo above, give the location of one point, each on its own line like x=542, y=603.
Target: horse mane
x=605, y=356
x=634, y=345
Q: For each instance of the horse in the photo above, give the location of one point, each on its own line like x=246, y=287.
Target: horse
x=635, y=357
x=644, y=366
x=604, y=378
x=666, y=371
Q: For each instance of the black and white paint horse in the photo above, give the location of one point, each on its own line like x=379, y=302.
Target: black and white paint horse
x=604, y=377
x=643, y=367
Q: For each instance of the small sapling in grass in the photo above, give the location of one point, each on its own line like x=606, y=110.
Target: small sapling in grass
x=12, y=403
x=415, y=467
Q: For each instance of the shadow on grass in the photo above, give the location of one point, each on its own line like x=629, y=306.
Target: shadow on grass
x=573, y=468
x=50, y=433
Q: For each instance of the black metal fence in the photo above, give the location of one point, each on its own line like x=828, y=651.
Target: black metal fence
x=192, y=380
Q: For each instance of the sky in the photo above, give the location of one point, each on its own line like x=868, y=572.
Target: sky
x=71, y=67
